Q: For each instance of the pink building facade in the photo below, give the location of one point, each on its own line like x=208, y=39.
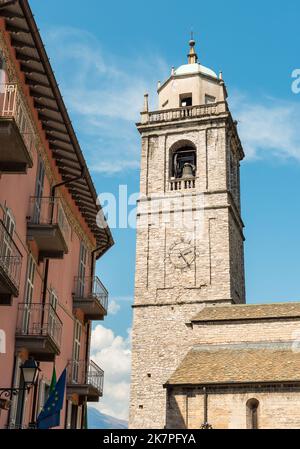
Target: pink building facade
x=51, y=233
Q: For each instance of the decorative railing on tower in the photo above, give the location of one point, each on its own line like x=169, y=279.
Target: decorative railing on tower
x=183, y=113
x=182, y=183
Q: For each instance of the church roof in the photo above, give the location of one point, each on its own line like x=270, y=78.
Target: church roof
x=248, y=312
x=190, y=69
x=216, y=365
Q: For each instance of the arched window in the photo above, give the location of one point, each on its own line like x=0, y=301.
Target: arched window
x=252, y=413
x=184, y=163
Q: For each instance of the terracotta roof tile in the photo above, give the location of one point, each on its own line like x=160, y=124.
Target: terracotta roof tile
x=227, y=366
x=248, y=312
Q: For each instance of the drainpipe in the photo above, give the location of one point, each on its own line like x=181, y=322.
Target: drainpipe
x=53, y=190
x=87, y=351
x=45, y=281
x=63, y=183
x=88, y=331
x=205, y=406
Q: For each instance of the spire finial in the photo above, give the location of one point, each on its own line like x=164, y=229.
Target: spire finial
x=146, y=105
x=192, y=56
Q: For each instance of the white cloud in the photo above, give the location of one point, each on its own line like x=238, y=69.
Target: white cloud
x=269, y=127
x=104, y=93
x=112, y=353
x=113, y=307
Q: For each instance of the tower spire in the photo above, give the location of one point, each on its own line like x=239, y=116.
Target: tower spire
x=192, y=56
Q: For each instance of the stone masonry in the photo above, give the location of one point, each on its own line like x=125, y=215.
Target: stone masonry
x=167, y=297
x=190, y=264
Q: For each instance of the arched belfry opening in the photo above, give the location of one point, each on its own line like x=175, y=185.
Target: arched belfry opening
x=183, y=160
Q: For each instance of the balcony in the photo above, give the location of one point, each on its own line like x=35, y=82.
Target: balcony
x=47, y=225
x=17, y=136
x=184, y=113
x=91, y=297
x=39, y=331
x=10, y=267
x=85, y=379
x=182, y=183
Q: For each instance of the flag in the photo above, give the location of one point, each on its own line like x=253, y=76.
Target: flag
x=53, y=381
x=50, y=414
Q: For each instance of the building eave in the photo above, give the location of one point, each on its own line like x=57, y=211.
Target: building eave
x=52, y=112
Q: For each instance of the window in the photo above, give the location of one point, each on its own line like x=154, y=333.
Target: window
x=6, y=250
x=252, y=413
x=209, y=99
x=82, y=269
x=39, y=189
x=29, y=287
x=185, y=100
x=53, y=299
x=44, y=390
x=76, y=351
x=184, y=163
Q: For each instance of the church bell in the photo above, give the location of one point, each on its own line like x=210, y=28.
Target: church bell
x=187, y=171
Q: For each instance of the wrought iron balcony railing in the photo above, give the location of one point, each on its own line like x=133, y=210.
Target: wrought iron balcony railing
x=37, y=320
x=91, y=288
x=84, y=372
x=10, y=260
x=47, y=224
x=48, y=211
x=12, y=106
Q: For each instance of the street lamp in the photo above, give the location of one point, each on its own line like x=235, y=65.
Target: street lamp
x=30, y=371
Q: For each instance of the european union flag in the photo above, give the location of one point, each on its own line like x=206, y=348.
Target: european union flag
x=50, y=415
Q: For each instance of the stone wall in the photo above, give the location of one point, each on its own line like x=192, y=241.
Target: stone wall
x=277, y=409
x=166, y=297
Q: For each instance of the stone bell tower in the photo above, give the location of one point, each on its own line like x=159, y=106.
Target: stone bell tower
x=190, y=233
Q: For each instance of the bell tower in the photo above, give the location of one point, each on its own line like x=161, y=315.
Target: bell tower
x=190, y=233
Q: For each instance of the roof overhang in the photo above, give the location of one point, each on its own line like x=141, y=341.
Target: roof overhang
x=34, y=62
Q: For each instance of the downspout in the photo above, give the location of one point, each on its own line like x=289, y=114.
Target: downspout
x=88, y=331
x=45, y=281
x=63, y=183
x=53, y=190
x=205, y=406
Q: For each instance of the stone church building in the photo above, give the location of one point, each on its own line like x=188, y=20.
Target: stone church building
x=201, y=357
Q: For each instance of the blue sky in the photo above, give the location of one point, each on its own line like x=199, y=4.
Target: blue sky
x=107, y=54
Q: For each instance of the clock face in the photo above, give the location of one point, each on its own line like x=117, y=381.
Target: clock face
x=182, y=254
